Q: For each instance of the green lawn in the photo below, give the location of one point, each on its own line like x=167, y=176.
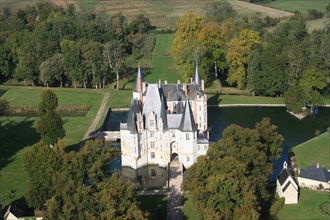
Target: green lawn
x=162, y=64
x=215, y=99
x=163, y=44
x=314, y=151
x=189, y=211
x=155, y=205
x=300, y=5
x=307, y=208
x=18, y=133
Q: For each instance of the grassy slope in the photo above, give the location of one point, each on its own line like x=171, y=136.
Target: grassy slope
x=162, y=65
x=300, y=5
x=314, y=151
x=17, y=133
x=308, y=207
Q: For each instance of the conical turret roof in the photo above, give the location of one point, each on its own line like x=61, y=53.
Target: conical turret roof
x=138, y=81
x=187, y=121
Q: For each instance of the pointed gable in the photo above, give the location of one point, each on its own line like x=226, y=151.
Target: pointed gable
x=285, y=178
x=187, y=121
x=138, y=81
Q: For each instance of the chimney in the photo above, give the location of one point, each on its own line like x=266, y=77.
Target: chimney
x=318, y=165
x=184, y=88
x=191, y=81
x=165, y=82
x=178, y=82
x=203, y=85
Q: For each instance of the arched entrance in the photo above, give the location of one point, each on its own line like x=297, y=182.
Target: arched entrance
x=174, y=156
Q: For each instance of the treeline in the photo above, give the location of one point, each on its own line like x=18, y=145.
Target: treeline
x=264, y=55
x=55, y=46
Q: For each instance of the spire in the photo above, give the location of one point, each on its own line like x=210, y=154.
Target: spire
x=138, y=81
x=285, y=165
x=187, y=121
x=197, y=77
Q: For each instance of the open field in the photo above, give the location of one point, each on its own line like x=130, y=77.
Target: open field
x=308, y=207
x=299, y=5
x=314, y=151
x=155, y=205
x=162, y=13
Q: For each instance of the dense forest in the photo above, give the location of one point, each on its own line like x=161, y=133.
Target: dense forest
x=52, y=46
x=267, y=56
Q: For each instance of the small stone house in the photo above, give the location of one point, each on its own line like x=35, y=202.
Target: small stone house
x=313, y=177
x=286, y=186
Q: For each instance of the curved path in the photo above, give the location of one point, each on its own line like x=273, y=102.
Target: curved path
x=98, y=116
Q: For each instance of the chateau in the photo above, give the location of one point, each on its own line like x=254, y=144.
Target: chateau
x=165, y=121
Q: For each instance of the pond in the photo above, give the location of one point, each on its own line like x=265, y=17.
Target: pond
x=294, y=131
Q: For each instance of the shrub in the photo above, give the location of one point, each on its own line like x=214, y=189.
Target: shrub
x=276, y=207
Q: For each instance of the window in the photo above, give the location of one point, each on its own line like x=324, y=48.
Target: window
x=205, y=147
x=152, y=134
x=152, y=155
x=199, y=147
x=152, y=123
x=153, y=172
x=187, y=136
x=188, y=159
x=173, y=134
x=200, y=108
x=152, y=144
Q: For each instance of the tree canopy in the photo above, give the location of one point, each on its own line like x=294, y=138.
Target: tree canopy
x=231, y=180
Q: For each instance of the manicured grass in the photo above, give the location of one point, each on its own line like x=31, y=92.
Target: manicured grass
x=314, y=151
x=215, y=99
x=163, y=44
x=163, y=68
x=299, y=5
x=16, y=135
x=189, y=210
x=307, y=208
x=155, y=205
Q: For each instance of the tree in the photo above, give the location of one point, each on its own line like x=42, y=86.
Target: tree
x=50, y=124
x=25, y=69
x=219, y=11
x=6, y=63
x=40, y=163
x=115, y=54
x=186, y=46
x=238, y=50
x=230, y=181
x=93, y=63
x=4, y=106
x=295, y=99
x=52, y=70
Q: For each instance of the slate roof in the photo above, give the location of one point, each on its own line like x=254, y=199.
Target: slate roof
x=174, y=120
x=14, y=210
x=286, y=186
x=131, y=118
x=283, y=176
x=201, y=138
x=312, y=172
x=187, y=121
x=193, y=91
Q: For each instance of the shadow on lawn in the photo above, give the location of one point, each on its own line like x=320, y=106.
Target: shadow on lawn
x=14, y=136
x=214, y=100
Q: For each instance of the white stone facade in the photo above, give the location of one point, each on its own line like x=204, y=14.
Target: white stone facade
x=165, y=120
